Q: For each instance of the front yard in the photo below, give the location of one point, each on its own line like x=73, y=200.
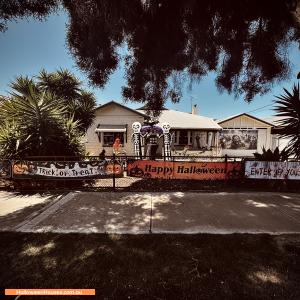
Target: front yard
x=238, y=266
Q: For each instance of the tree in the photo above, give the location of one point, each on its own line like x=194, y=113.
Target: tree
x=33, y=122
x=288, y=108
x=23, y=8
x=173, y=42
x=170, y=43
x=80, y=104
x=269, y=155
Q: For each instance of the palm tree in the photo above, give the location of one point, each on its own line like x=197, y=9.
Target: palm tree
x=62, y=83
x=288, y=107
x=80, y=103
x=269, y=155
x=82, y=109
x=12, y=141
x=35, y=123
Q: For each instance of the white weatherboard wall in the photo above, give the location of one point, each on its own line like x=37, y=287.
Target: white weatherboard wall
x=264, y=138
x=111, y=114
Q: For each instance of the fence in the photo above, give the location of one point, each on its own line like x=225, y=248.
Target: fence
x=119, y=171
x=287, y=170
x=197, y=170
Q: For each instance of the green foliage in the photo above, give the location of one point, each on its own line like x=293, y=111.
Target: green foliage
x=269, y=155
x=12, y=141
x=288, y=107
x=13, y=9
x=62, y=83
x=35, y=121
x=171, y=43
x=82, y=109
x=80, y=103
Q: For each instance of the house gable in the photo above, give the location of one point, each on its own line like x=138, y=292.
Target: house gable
x=115, y=109
x=244, y=121
x=114, y=116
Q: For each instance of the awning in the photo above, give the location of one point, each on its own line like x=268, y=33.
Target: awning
x=111, y=128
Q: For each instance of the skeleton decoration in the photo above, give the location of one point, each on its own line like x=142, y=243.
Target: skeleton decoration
x=167, y=140
x=136, y=138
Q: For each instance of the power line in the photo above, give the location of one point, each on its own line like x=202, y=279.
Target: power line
x=259, y=108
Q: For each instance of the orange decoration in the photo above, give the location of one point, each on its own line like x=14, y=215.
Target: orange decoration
x=110, y=169
x=20, y=169
x=184, y=170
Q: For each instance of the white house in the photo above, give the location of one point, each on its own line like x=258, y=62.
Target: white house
x=243, y=134
x=278, y=141
x=190, y=131
x=112, y=120
x=236, y=136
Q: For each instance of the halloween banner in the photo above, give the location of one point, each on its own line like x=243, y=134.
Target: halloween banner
x=184, y=170
x=65, y=170
x=5, y=169
x=238, y=139
x=272, y=170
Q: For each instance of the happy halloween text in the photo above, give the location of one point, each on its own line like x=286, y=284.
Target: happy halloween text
x=183, y=170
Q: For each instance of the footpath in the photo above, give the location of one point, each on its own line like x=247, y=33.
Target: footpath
x=142, y=213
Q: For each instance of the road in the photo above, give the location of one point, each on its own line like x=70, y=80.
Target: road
x=170, y=212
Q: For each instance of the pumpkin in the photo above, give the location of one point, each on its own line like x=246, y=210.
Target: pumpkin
x=136, y=172
x=111, y=169
x=20, y=169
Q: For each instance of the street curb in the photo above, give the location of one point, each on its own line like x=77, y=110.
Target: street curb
x=37, y=217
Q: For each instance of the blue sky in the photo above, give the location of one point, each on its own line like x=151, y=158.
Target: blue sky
x=29, y=46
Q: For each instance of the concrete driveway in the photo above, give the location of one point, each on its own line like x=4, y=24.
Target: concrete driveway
x=176, y=212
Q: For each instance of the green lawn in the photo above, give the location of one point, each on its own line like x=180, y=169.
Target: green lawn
x=239, y=266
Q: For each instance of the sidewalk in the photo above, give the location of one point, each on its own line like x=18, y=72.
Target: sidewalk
x=174, y=212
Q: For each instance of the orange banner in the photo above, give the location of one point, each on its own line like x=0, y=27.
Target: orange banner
x=50, y=292
x=184, y=170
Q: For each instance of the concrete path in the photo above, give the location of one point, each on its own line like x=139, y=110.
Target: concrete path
x=16, y=207
x=176, y=212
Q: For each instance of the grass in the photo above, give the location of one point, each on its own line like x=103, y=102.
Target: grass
x=238, y=266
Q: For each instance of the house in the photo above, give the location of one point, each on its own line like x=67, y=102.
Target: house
x=278, y=141
x=190, y=131
x=243, y=134
x=236, y=136
x=112, y=121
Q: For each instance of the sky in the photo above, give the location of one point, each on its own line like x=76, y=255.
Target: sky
x=28, y=46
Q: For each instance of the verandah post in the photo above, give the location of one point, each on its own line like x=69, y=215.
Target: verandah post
x=114, y=173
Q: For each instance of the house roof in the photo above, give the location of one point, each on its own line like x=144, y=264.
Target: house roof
x=183, y=120
x=274, y=120
x=144, y=107
x=243, y=114
x=123, y=106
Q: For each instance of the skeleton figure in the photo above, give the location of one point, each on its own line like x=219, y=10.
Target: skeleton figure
x=136, y=138
x=167, y=140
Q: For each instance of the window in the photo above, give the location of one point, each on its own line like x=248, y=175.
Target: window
x=110, y=137
x=107, y=133
x=183, y=137
x=175, y=135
